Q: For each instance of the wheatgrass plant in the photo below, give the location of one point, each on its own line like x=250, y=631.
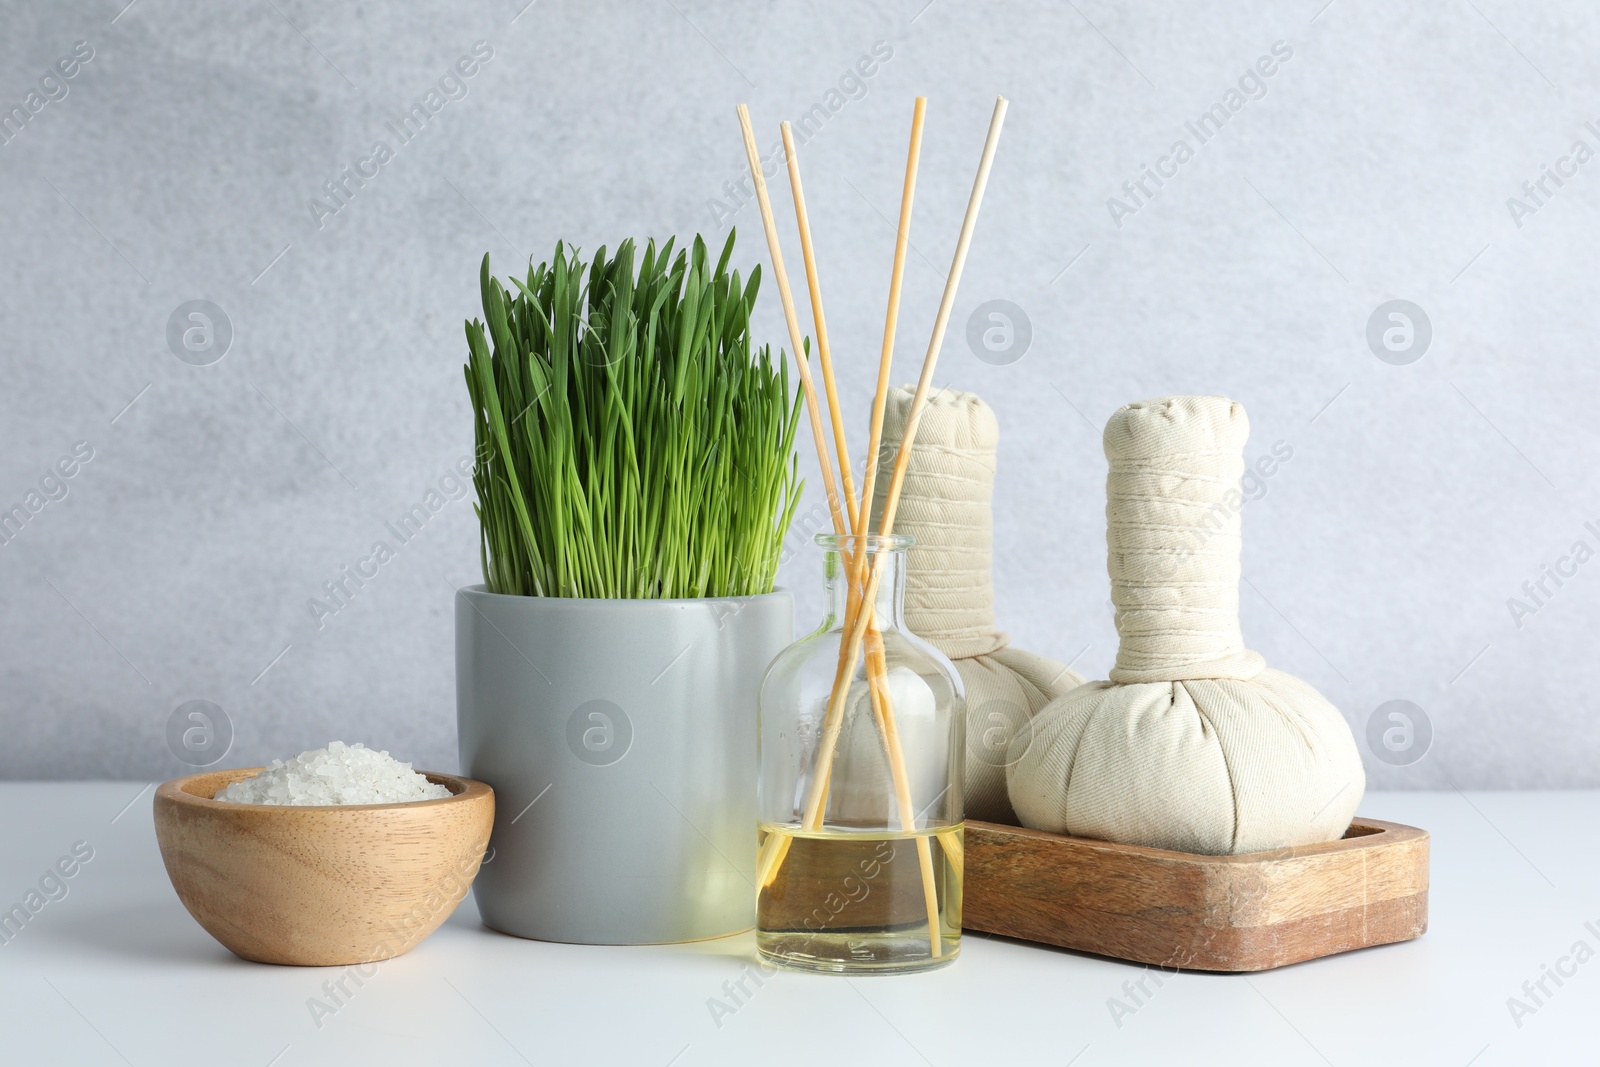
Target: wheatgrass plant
x=631, y=440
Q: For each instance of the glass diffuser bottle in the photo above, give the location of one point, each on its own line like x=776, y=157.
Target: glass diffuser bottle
x=860, y=795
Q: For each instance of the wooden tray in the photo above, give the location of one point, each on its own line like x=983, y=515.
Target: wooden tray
x=1206, y=913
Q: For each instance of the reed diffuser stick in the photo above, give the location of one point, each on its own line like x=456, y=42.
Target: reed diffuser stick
x=883, y=711
x=772, y=855
x=958, y=263
x=777, y=847
x=858, y=512
x=876, y=662
x=891, y=318
x=855, y=628
x=824, y=353
x=841, y=525
x=949, y=842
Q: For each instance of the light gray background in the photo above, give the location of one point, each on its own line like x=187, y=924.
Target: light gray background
x=1377, y=166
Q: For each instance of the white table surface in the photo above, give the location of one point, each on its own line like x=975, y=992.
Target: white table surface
x=116, y=972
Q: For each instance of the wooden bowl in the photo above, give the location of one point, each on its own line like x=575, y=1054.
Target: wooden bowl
x=320, y=886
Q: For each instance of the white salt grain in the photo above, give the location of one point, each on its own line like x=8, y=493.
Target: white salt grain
x=338, y=774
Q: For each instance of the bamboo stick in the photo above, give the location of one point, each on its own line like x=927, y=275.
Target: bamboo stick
x=773, y=853
x=857, y=514
x=854, y=516
x=859, y=510
x=902, y=788
x=824, y=352
x=855, y=629
x=876, y=662
x=891, y=317
x=882, y=706
x=840, y=525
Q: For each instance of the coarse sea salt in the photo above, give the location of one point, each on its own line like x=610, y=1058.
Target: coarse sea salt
x=338, y=774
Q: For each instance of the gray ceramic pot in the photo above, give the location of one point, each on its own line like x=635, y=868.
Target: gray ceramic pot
x=620, y=739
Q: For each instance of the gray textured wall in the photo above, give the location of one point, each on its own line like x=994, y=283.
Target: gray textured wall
x=1374, y=164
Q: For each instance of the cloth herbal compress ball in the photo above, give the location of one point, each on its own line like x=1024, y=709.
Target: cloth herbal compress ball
x=1194, y=744
x=945, y=505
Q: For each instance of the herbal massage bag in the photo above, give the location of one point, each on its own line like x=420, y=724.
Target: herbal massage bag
x=1194, y=744
x=949, y=601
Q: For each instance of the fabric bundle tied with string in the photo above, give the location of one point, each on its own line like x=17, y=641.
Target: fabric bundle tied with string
x=946, y=505
x=1194, y=744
